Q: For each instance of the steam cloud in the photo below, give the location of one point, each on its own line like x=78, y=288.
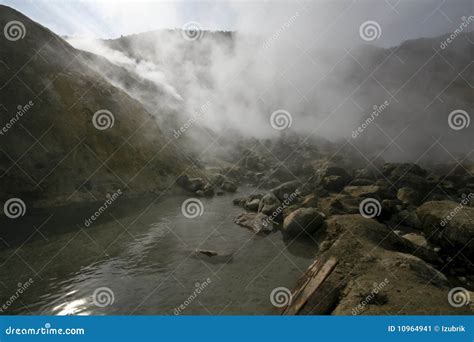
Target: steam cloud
x=307, y=59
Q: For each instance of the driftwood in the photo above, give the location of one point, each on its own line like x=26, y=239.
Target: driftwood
x=315, y=276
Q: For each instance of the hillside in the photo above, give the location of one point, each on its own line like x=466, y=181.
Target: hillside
x=52, y=153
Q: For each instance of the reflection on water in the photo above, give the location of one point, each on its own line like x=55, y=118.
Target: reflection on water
x=142, y=251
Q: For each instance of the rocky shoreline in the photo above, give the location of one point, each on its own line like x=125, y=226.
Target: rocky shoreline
x=397, y=223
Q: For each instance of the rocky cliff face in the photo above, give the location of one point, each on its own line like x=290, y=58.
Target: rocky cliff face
x=67, y=134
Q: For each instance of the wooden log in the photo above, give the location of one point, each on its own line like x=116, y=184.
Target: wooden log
x=317, y=275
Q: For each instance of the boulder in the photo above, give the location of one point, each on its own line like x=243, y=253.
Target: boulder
x=252, y=204
x=333, y=183
x=195, y=184
x=303, y=220
x=449, y=225
x=338, y=204
x=408, y=196
x=246, y=201
x=363, y=191
x=282, y=174
x=392, y=206
x=283, y=191
x=406, y=175
x=397, y=170
x=269, y=204
x=416, y=239
x=310, y=201
x=240, y=201
x=366, y=173
x=408, y=218
x=229, y=186
x=362, y=182
x=331, y=169
x=218, y=179
x=190, y=184
x=258, y=222
x=208, y=190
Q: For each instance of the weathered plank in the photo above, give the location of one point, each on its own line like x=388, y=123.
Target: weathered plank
x=318, y=276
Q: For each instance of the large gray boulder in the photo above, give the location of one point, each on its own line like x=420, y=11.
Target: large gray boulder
x=303, y=220
x=449, y=224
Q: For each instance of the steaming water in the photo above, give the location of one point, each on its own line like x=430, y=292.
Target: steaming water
x=142, y=251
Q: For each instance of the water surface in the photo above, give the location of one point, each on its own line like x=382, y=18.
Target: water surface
x=142, y=250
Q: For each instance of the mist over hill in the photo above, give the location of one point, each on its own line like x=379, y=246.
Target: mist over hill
x=329, y=92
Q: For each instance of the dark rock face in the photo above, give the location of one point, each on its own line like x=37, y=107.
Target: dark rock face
x=303, y=220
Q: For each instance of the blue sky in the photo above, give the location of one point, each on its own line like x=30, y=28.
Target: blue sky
x=400, y=20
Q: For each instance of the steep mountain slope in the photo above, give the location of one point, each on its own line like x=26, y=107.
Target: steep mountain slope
x=77, y=136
